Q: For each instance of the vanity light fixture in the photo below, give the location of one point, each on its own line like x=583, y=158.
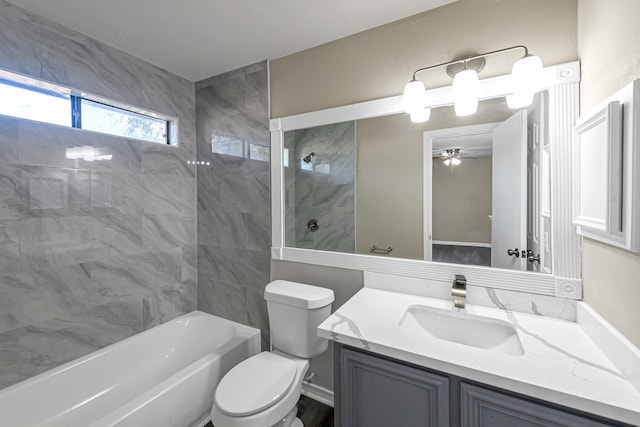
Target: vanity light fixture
x=526, y=79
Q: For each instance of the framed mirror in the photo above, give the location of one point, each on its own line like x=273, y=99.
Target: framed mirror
x=360, y=186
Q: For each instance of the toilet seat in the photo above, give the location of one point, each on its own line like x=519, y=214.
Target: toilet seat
x=255, y=384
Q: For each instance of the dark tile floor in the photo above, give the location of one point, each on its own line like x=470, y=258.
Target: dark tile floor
x=312, y=413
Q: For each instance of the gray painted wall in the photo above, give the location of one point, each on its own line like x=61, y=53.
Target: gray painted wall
x=608, y=35
x=117, y=254
x=461, y=200
x=234, y=229
x=344, y=283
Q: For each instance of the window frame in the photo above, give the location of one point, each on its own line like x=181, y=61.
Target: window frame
x=76, y=97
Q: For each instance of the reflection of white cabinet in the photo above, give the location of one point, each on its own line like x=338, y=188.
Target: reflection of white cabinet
x=606, y=158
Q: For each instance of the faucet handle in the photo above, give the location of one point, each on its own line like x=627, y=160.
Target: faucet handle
x=459, y=291
x=460, y=280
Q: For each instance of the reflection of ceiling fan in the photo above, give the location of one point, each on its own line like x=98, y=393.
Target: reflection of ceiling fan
x=451, y=156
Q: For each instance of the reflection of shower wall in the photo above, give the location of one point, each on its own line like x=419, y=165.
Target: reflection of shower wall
x=290, y=189
x=327, y=192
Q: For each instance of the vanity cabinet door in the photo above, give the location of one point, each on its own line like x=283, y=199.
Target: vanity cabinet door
x=486, y=408
x=379, y=393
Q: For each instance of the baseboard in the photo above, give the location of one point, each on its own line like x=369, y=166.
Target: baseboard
x=203, y=421
x=468, y=244
x=320, y=394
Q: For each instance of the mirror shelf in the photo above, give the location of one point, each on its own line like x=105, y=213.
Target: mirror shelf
x=562, y=86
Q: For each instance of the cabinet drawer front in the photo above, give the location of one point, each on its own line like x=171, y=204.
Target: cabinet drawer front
x=486, y=408
x=379, y=393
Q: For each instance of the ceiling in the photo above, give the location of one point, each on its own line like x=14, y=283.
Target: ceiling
x=480, y=145
x=197, y=39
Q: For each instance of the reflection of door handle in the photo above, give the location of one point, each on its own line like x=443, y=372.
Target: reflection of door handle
x=513, y=252
x=532, y=258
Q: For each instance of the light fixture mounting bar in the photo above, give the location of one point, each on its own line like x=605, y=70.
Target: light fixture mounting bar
x=464, y=60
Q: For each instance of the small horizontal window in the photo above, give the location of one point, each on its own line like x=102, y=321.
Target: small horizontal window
x=228, y=146
x=104, y=118
x=31, y=99
x=34, y=103
x=239, y=148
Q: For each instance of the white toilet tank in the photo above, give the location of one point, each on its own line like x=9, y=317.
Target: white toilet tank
x=295, y=311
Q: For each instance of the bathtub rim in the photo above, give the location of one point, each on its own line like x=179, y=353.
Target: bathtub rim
x=249, y=332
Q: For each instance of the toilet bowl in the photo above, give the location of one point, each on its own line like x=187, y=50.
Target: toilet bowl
x=263, y=390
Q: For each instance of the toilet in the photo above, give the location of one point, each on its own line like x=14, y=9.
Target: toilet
x=263, y=390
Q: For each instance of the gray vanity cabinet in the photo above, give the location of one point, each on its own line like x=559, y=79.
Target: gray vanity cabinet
x=486, y=408
x=379, y=393
x=375, y=391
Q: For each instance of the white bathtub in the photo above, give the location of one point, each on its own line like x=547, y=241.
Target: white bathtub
x=165, y=376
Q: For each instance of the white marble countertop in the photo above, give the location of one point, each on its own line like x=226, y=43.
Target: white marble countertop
x=560, y=364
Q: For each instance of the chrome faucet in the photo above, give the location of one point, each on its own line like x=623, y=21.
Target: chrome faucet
x=459, y=291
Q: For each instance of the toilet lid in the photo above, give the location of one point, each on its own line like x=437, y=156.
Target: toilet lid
x=255, y=384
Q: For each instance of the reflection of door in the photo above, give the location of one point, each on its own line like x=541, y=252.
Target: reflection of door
x=536, y=179
x=509, y=210
x=427, y=200
x=473, y=231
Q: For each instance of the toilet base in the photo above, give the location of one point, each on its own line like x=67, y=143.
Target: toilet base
x=290, y=420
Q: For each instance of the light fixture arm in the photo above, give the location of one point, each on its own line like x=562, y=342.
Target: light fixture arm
x=471, y=58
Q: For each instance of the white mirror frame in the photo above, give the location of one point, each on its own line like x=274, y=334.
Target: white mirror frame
x=562, y=84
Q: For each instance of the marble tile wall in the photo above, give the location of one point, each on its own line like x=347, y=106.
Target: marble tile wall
x=234, y=237
x=290, y=234
x=323, y=189
x=91, y=252
x=457, y=254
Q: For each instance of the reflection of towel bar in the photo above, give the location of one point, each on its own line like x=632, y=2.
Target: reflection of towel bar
x=376, y=249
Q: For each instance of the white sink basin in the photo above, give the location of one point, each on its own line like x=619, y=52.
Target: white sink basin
x=463, y=328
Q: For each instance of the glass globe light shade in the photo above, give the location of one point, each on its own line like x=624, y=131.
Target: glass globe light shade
x=420, y=116
x=527, y=75
x=465, y=92
x=519, y=100
x=414, y=97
